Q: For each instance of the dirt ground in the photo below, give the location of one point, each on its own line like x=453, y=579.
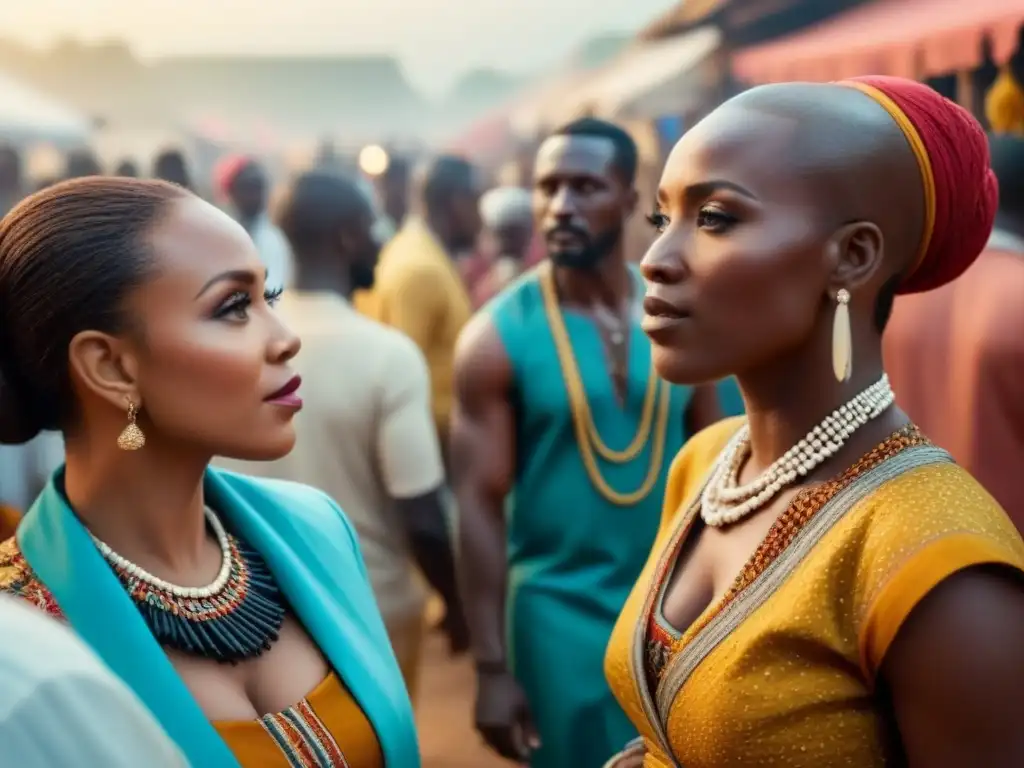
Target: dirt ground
x=444, y=712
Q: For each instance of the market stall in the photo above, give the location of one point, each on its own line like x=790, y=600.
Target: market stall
x=672, y=76
x=27, y=116
x=906, y=38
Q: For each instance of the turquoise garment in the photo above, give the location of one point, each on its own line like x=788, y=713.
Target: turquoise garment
x=573, y=556
x=730, y=400
x=312, y=550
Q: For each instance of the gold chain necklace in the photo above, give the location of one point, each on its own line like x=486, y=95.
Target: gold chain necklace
x=587, y=438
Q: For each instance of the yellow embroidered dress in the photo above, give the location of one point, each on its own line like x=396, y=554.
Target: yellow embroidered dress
x=781, y=671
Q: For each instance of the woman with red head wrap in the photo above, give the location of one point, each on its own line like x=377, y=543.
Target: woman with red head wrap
x=828, y=587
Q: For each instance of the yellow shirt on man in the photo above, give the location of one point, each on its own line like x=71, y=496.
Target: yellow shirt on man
x=419, y=292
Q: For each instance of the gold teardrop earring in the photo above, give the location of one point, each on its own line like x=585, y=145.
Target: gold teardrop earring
x=842, y=338
x=132, y=438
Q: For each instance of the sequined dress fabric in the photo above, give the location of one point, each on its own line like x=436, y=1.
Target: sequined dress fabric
x=781, y=671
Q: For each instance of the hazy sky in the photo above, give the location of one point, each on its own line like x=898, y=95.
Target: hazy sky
x=435, y=39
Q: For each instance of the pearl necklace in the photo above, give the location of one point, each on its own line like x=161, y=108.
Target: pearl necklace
x=724, y=501
x=139, y=573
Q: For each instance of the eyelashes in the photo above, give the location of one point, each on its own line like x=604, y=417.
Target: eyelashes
x=238, y=303
x=714, y=220
x=271, y=295
x=658, y=220
x=709, y=218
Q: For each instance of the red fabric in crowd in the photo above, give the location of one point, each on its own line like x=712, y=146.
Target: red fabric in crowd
x=227, y=170
x=966, y=192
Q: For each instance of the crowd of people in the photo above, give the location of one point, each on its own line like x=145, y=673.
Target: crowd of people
x=746, y=499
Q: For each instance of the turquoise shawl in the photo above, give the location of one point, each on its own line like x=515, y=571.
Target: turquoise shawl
x=312, y=550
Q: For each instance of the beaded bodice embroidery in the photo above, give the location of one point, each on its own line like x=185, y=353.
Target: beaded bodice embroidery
x=663, y=641
x=247, y=613
x=19, y=580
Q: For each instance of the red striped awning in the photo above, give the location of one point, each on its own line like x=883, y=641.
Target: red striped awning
x=904, y=38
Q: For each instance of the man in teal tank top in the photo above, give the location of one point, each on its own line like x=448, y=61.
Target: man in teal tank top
x=562, y=438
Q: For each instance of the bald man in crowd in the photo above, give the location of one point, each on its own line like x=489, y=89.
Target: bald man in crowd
x=507, y=214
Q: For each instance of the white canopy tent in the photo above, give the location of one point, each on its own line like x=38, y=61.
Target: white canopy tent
x=29, y=116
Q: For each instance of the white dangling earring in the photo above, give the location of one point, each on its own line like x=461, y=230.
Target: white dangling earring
x=842, y=338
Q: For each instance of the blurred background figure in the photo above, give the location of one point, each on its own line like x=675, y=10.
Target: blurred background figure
x=507, y=215
x=242, y=181
x=170, y=165
x=393, y=191
x=956, y=355
x=549, y=537
x=327, y=157
x=81, y=162
x=419, y=290
x=24, y=471
x=127, y=168
x=391, y=492
x=50, y=677
x=12, y=181
x=44, y=182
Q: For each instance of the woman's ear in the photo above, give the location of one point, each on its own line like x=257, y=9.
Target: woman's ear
x=105, y=366
x=857, y=253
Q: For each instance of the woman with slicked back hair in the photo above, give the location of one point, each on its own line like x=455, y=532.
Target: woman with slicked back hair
x=134, y=318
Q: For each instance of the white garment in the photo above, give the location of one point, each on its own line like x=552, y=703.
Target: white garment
x=25, y=469
x=274, y=251
x=383, y=228
x=1002, y=240
x=60, y=707
x=506, y=206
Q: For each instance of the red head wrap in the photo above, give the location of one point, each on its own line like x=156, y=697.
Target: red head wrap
x=960, y=190
x=227, y=170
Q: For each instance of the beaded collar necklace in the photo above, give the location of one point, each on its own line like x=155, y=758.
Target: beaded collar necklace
x=236, y=617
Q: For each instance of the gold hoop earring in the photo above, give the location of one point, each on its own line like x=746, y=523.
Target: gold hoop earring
x=842, y=338
x=132, y=438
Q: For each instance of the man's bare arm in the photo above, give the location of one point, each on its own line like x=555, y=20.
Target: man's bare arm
x=483, y=462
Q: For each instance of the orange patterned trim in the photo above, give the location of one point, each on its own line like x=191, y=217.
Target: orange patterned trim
x=290, y=739
x=783, y=532
x=318, y=731
x=303, y=738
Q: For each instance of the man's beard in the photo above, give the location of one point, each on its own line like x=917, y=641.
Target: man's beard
x=592, y=252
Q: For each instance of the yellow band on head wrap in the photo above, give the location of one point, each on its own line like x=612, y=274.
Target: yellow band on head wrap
x=924, y=163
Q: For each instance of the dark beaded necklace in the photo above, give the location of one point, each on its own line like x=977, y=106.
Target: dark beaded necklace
x=238, y=620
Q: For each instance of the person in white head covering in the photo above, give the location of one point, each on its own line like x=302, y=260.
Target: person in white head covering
x=507, y=214
x=62, y=707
